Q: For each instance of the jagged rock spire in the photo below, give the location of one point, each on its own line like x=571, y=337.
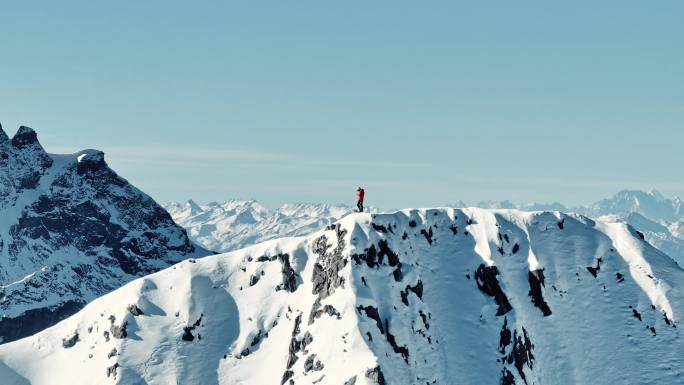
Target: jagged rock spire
x=3, y=135
x=28, y=160
x=24, y=137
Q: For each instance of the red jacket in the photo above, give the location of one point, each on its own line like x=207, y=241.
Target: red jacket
x=360, y=194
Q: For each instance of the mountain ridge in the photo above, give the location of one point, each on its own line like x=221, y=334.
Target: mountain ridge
x=71, y=229
x=417, y=296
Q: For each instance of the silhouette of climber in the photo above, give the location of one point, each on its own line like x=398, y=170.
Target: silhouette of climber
x=360, y=193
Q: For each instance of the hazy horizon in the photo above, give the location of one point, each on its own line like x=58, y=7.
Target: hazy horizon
x=422, y=105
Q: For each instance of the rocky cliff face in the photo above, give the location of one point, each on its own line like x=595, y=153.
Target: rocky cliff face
x=430, y=296
x=71, y=230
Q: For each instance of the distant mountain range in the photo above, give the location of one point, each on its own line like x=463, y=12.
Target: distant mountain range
x=72, y=230
x=238, y=223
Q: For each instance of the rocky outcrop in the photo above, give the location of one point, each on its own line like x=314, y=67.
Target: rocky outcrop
x=72, y=230
x=486, y=280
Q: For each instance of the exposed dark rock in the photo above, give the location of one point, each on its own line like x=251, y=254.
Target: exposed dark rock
x=640, y=234
x=392, y=257
x=507, y=377
x=397, y=274
x=536, y=281
x=424, y=317
x=521, y=355
x=515, y=248
x=372, y=313
x=313, y=364
x=485, y=277
x=187, y=330
x=328, y=264
x=289, y=275
x=351, y=381
x=111, y=371
x=70, y=341
x=376, y=375
x=427, y=234
x=561, y=224
x=256, y=339
x=119, y=332
x=254, y=279
x=134, y=310
x=454, y=228
x=370, y=257
x=307, y=339
x=317, y=312
x=636, y=314
x=594, y=270
x=504, y=336
x=417, y=290
x=619, y=277
x=401, y=350
x=112, y=353
x=286, y=376
x=412, y=223
x=380, y=228
x=297, y=324
x=266, y=258
x=34, y=320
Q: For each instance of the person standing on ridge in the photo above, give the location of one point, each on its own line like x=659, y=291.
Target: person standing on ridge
x=360, y=193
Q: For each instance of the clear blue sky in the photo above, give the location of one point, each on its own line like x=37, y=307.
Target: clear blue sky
x=423, y=103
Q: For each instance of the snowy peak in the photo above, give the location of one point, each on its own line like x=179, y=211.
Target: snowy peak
x=71, y=229
x=650, y=204
x=25, y=137
x=3, y=136
x=436, y=296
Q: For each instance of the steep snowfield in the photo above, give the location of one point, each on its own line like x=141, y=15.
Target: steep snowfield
x=429, y=296
x=660, y=219
x=71, y=230
x=239, y=223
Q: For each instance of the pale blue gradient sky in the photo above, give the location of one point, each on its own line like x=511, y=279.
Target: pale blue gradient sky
x=422, y=102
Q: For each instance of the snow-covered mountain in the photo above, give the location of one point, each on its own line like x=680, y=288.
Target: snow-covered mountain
x=660, y=219
x=71, y=230
x=239, y=223
x=652, y=205
x=430, y=296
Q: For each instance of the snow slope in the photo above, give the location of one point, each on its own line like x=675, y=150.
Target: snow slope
x=239, y=223
x=71, y=230
x=421, y=296
x=660, y=219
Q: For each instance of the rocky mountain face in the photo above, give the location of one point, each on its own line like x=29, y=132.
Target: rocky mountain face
x=430, y=296
x=239, y=223
x=71, y=230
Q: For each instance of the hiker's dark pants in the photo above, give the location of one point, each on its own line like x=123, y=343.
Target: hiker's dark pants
x=360, y=206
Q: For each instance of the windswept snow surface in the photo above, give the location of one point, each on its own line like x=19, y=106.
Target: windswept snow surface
x=239, y=223
x=419, y=296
